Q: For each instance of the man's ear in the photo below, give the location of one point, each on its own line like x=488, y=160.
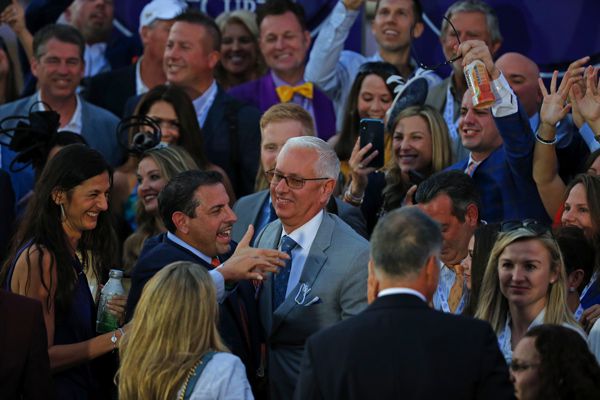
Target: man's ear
x=418, y=29
x=575, y=278
x=307, y=39
x=213, y=58
x=494, y=47
x=180, y=220
x=432, y=276
x=372, y=283
x=144, y=32
x=472, y=215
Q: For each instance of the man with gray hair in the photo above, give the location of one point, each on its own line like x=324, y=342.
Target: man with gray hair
x=399, y=347
x=472, y=19
x=325, y=279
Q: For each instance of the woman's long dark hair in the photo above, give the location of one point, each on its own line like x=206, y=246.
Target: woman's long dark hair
x=10, y=88
x=190, y=134
x=351, y=121
x=42, y=226
x=568, y=370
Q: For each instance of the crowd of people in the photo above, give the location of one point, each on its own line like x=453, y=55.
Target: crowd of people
x=219, y=164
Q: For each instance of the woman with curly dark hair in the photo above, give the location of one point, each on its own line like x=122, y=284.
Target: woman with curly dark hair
x=554, y=362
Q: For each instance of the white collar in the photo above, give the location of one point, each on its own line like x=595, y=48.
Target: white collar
x=306, y=234
x=140, y=86
x=187, y=246
x=391, y=291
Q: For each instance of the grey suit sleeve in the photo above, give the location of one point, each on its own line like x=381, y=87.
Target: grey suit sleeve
x=353, y=294
x=494, y=379
x=307, y=386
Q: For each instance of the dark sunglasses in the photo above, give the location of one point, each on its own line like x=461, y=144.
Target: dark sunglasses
x=434, y=67
x=530, y=224
x=378, y=67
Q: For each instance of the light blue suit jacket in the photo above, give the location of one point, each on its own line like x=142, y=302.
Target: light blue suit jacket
x=98, y=129
x=336, y=274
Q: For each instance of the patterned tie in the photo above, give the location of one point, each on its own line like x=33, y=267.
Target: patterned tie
x=282, y=278
x=471, y=168
x=456, y=291
x=286, y=92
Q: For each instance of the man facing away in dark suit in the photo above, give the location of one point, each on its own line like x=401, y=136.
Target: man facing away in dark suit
x=194, y=207
x=327, y=274
x=278, y=124
x=399, y=347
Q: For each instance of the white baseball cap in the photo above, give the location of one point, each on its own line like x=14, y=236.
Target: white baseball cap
x=161, y=9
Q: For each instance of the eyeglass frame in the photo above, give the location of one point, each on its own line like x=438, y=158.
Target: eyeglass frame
x=272, y=173
x=416, y=55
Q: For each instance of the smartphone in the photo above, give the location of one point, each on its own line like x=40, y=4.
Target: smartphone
x=371, y=131
x=4, y=4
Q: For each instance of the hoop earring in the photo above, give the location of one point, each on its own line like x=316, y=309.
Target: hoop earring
x=63, y=216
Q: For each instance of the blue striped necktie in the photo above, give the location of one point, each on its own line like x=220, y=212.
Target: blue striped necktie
x=282, y=278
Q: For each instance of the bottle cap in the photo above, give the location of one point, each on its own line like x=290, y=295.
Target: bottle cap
x=115, y=273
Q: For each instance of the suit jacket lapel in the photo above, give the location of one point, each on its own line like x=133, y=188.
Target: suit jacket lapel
x=268, y=95
x=312, y=267
x=269, y=239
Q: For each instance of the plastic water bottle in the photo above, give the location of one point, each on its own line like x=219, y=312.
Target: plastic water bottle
x=105, y=321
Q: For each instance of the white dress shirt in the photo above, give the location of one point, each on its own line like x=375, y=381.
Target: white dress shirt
x=391, y=291
x=204, y=102
x=304, y=237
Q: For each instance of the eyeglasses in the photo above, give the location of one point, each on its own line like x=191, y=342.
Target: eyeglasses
x=431, y=68
x=516, y=366
x=294, y=182
x=530, y=224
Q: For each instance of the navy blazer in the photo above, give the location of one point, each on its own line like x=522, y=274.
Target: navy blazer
x=159, y=251
x=401, y=348
x=505, y=178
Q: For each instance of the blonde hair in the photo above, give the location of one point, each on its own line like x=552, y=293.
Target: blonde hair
x=493, y=306
x=171, y=161
x=279, y=113
x=155, y=359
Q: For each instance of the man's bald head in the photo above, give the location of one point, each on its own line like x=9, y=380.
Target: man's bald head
x=522, y=75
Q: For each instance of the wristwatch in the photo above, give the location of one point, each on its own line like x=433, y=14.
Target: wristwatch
x=114, y=339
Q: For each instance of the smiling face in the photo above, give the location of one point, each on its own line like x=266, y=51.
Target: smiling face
x=84, y=203
x=165, y=116
x=189, y=58
x=150, y=183
x=412, y=144
x=239, y=50
x=58, y=70
x=525, y=274
x=527, y=380
x=577, y=211
x=210, y=229
x=284, y=45
x=392, y=24
x=478, y=131
x=374, y=98
x=295, y=207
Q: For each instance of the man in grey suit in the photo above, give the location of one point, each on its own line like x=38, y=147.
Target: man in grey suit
x=278, y=124
x=58, y=65
x=326, y=278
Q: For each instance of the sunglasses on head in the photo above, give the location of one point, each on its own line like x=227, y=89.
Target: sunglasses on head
x=530, y=224
x=377, y=67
